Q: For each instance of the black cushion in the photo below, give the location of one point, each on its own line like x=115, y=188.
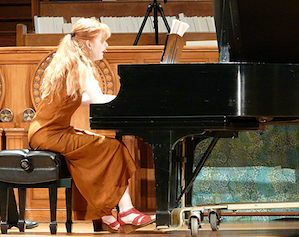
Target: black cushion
x=24, y=166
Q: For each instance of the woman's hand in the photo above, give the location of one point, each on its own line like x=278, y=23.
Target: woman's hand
x=93, y=93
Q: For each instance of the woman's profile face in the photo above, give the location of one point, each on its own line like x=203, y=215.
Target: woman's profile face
x=97, y=47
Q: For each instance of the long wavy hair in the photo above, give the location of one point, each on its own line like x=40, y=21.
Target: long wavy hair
x=73, y=61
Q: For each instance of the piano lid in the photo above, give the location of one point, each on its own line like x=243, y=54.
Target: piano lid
x=257, y=30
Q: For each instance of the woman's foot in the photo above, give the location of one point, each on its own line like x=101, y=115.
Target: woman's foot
x=132, y=219
x=107, y=223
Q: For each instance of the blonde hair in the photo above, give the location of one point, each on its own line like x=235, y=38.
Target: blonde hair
x=73, y=60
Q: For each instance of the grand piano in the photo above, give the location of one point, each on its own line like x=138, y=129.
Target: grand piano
x=255, y=83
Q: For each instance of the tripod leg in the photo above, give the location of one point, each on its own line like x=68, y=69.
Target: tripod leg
x=156, y=24
x=160, y=9
x=149, y=10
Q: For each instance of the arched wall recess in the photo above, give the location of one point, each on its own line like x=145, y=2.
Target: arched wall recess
x=107, y=78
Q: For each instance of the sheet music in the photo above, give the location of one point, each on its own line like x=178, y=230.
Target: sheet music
x=174, y=42
x=178, y=27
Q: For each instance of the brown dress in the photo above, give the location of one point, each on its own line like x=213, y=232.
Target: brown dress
x=100, y=166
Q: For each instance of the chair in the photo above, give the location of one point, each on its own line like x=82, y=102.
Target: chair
x=23, y=169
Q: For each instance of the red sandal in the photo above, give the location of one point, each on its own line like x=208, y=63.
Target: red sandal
x=100, y=225
x=139, y=221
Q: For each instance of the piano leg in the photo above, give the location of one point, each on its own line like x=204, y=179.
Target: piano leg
x=161, y=148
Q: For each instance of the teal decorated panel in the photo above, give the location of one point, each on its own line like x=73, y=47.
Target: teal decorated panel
x=255, y=167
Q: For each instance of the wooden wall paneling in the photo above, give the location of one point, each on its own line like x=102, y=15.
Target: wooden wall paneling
x=131, y=143
x=134, y=54
x=192, y=54
x=16, y=98
x=1, y=138
x=34, y=9
x=128, y=8
x=117, y=39
x=16, y=138
x=15, y=10
x=22, y=12
x=147, y=179
x=38, y=207
x=2, y=88
x=7, y=39
x=17, y=66
x=111, y=8
x=153, y=54
x=12, y=13
x=21, y=31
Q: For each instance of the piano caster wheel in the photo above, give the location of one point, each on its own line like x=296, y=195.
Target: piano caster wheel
x=195, y=219
x=214, y=220
x=194, y=223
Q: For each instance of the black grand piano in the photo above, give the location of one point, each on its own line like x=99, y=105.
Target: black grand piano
x=255, y=83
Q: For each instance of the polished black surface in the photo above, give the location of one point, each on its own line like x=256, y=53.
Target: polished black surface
x=197, y=96
x=258, y=30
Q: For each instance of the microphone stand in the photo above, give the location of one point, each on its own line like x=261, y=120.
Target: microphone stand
x=157, y=8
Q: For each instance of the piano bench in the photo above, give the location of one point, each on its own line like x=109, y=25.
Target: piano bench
x=23, y=169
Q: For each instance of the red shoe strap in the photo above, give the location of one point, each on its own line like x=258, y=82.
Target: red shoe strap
x=145, y=218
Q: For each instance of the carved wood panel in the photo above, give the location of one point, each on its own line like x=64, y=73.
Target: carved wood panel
x=107, y=78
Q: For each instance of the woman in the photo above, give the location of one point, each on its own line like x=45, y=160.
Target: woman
x=100, y=166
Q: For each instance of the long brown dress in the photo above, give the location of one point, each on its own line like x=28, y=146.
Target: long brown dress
x=100, y=166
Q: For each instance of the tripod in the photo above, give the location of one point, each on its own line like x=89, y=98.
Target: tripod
x=157, y=8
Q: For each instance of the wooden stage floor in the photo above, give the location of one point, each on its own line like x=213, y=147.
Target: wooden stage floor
x=284, y=228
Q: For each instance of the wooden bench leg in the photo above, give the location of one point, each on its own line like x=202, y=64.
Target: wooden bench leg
x=68, y=199
x=53, y=207
x=22, y=204
x=4, y=197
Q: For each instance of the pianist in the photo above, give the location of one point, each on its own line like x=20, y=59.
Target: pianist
x=100, y=166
